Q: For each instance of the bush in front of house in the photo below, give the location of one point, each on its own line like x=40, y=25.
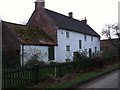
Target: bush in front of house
x=97, y=62
x=81, y=61
x=109, y=57
x=34, y=61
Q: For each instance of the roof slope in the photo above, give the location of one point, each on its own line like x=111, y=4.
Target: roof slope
x=65, y=22
x=28, y=34
x=40, y=19
x=109, y=43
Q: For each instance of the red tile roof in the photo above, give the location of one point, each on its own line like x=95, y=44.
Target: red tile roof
x=106, y=44
x=29, y=34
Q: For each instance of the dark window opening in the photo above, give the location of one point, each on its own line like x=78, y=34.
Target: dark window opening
x=67, y=34
x=80, y=44
x=67, y=48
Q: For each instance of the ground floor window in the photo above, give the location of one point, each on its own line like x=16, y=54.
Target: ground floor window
x=80, y=44
x=51, y=54
x=68, y=48
x=95, y=49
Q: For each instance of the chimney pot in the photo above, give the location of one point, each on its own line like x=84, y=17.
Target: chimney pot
x=39, y=3
x=70, y=14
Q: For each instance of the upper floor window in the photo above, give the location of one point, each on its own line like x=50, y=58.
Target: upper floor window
x=67, y=34
x=98, y=39
x=85, y=37
x=91, y=38
x=68, y=48
x=80, y=44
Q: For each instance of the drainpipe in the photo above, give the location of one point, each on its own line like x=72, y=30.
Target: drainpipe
x=22, y=49
x=0, y=54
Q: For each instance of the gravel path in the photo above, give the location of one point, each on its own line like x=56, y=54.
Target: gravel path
x=109, y=80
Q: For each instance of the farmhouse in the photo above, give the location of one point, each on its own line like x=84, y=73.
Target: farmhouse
x=51, y=36
x=69, y=34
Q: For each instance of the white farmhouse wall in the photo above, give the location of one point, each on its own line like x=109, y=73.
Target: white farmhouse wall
x=60, y=51
x=30, y=50
x=73, y=41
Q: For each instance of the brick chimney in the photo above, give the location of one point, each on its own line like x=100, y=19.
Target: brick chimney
x=70, y=14
x=39, y=3
x=84, y=20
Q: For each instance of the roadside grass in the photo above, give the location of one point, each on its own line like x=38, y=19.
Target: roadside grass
x=77, y=78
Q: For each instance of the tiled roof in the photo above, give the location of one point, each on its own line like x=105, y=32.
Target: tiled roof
x=107, y=43
x=65, y=22
x=28, y=34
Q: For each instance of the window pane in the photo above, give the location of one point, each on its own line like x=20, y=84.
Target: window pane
x=85, y=37
x=80, y=44
x=91, y=38
x=95, y=49
x=68, y=48
x=67, y=34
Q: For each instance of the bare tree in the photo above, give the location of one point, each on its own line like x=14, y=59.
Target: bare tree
x=111, y=30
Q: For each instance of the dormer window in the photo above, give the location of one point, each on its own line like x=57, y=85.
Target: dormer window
x=67, y=34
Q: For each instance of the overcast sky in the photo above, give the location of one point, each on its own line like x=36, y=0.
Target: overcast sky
x=97, y=12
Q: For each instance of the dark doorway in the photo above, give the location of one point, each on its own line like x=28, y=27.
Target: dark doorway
x=51, y=53
x=90, y=52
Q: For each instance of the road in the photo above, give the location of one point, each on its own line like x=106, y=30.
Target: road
x=109, y=80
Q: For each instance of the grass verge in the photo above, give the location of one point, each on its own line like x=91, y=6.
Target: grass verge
x=77, y=78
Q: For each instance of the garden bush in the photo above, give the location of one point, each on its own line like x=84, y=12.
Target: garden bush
x=97, y=62
x=34, y=61
x=81, y=61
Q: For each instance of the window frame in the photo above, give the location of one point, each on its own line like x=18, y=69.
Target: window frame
x=67, y=48
x=85, y=37
x=91, y=38
x=95, y=49
x=67, y=34
x=80, y=44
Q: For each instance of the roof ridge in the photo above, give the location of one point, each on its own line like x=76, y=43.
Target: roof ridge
x=66, y=22
x=13, y=23
x=63, y=15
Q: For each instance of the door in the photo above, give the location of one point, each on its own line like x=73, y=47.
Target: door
x=90, y=52
x=51, y=53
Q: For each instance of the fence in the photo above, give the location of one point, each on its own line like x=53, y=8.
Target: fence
x=16, y=77
x=21, y=77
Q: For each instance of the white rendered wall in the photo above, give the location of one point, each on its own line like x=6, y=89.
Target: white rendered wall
x=73, y=41
x=30, y=50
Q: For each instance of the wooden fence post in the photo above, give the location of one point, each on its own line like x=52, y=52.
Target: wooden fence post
x=35, y=74
x=60, y=70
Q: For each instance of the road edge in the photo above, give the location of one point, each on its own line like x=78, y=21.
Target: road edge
x=90, y=79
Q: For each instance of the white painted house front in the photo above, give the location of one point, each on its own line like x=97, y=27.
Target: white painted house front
x=75, y=41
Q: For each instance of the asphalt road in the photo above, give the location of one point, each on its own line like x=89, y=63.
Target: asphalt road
x=110, y=80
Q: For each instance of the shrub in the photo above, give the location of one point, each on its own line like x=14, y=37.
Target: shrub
x=97, y=62
x=79, y=56
x=53, y=63
x=34, y=61
x=81, y=61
